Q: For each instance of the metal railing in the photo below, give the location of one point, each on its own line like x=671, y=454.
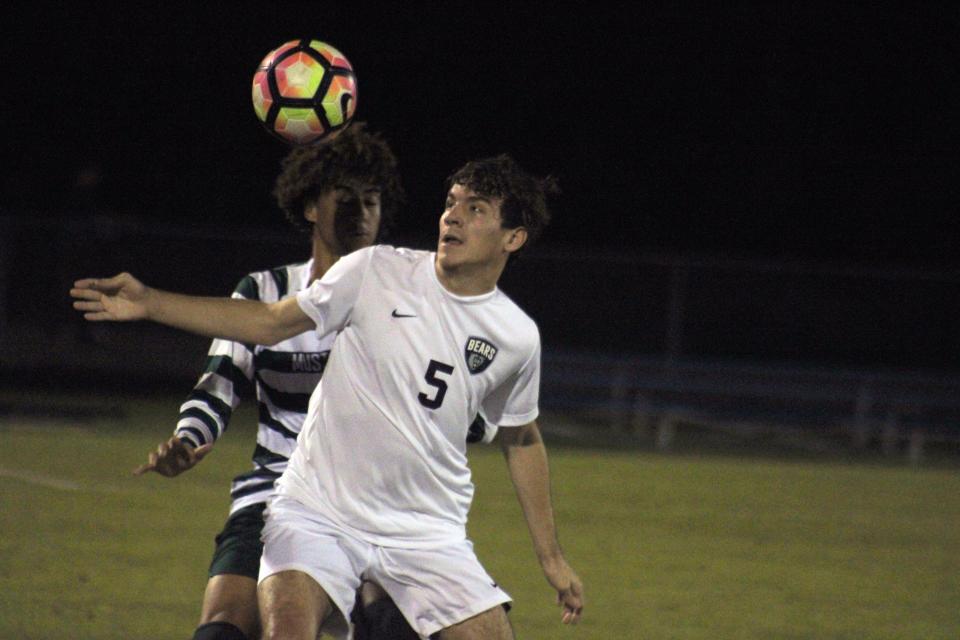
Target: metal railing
x=785, y=340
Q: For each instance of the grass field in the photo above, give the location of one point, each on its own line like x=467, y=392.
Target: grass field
x=669, y=546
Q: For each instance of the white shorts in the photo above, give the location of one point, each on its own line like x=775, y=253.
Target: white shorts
x=434, y=588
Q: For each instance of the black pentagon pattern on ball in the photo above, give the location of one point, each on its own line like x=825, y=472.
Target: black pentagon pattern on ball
x=314, y=102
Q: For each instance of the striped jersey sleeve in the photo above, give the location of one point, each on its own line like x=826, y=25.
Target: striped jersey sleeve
x=228, y=376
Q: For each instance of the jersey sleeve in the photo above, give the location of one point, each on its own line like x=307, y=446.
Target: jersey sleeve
x=516, y=401
x=481, y=431
x=227, y=377
x=329, y=301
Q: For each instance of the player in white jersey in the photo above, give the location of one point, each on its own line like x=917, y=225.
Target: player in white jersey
x=340, y=194
x=379, y=486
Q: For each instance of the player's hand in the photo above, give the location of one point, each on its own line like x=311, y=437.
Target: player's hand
x=121, y=297
x=569, y=589
x=172, y=458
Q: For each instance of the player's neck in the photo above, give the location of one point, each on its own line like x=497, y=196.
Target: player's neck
x=323, y=258
x=468, y=280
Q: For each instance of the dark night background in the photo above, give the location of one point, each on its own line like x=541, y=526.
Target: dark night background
x=773, y=135
x=757, y=129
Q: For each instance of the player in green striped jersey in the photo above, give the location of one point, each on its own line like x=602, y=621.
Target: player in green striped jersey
x=343, y=194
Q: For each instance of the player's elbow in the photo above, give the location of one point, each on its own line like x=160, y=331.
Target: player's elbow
x=515, y=438
x=281, y=322
x=271, y=334
x=269, y=339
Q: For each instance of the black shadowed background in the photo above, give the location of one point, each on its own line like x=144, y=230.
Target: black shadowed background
x=754, y=181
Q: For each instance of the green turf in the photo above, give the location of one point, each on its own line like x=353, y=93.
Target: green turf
x=669, y=546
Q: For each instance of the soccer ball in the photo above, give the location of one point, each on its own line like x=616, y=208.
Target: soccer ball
x=304, y=91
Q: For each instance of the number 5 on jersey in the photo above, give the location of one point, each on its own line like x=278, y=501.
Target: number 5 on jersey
x=441, y=385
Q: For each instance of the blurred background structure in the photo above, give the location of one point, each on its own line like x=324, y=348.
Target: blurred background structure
x=757, y=234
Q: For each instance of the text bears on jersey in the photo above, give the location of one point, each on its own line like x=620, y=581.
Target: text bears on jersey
x=479, y=353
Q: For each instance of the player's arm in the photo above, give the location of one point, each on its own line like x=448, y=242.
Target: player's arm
x=527, y=461
x=124, y=298
x=173, y=457
x=205, y=414
x=481, y=431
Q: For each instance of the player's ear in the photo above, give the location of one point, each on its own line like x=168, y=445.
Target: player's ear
x=514, y=239
x=310, y=213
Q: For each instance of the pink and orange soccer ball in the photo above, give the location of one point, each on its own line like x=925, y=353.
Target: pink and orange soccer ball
x=304, y=91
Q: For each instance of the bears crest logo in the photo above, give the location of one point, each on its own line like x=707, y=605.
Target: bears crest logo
x=479, y=353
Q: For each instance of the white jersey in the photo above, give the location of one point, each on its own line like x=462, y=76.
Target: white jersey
x=284, y=376
x=383, y=449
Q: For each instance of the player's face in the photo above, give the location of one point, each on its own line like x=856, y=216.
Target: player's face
x=471, y=230
x=347, y=217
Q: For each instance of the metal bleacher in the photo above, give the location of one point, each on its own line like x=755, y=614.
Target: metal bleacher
x=651, y=397
x=640, y=345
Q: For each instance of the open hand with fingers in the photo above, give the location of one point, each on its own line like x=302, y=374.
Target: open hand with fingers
x=119, y=298
x=172, y=458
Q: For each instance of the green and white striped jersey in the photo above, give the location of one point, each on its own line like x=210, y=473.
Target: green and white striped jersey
x=283, y=375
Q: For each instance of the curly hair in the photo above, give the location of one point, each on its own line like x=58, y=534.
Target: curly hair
x=354, y=154
x=524, y=196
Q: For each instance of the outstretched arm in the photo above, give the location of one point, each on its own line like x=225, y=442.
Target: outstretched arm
x=527, y=460
x=124, y=298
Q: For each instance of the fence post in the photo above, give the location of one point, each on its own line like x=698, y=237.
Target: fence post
x=666, y=430
x=6, y=247
x=675, y=313
x=890, y=436
x=915, y=451
x=642, y=412
x=860, y=428
x=620, y=400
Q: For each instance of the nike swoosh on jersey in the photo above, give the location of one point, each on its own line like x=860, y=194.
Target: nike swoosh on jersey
x=403, y=315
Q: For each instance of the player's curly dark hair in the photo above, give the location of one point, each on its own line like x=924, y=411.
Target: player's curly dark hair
x=524, y=196
x=354, y=154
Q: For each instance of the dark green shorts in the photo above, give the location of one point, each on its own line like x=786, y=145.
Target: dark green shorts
x=239, y=548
